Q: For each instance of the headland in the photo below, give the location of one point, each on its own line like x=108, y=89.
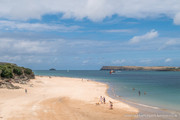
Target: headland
x=136, y=68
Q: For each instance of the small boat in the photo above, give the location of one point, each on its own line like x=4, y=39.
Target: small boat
x=111, y=71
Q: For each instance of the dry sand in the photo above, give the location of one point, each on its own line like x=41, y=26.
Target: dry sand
x=61, y=98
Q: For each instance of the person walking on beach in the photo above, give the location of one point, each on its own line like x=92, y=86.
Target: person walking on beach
x=104, y=100
x=101, y=99
x=139, y=92
x=110, y=105
x=25, y=90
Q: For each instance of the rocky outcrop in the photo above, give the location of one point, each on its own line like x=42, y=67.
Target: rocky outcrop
x=11, y=73
x=7, y=84
x=136, y=68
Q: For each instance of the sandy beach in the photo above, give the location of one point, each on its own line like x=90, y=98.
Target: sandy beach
x=61, y=98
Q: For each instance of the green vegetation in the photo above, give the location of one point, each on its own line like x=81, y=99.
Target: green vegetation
x=8, y=70
x=27, y=71
x=17, y=70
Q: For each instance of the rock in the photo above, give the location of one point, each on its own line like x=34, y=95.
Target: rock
x=8, y=85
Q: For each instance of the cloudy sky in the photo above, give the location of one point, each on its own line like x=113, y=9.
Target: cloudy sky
x=87, y=34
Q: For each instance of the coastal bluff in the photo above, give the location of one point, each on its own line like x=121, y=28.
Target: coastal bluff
x=11, y=73
x=140, y=68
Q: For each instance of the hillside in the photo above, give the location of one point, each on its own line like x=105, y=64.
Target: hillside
x=11, y=73
x=131, y=68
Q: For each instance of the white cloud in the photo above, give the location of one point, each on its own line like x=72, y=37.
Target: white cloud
x=93, y=9
x=177, y=19
x=146, y=61
x=168, y=60
x=7, y=58
x=85, y=62
x=13, y=46
x=118, y=31
x=118, y=62
x=148, y=36
x=171, y=43
x=28, y=51
x=14, y=25
x=20, y=59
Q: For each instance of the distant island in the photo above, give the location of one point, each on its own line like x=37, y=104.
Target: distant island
x=140, y=68
x=11, y=73
x=52, y=69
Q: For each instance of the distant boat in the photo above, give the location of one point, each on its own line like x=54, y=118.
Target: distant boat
x=52, y=69
x=67, y=70
x=111, y=71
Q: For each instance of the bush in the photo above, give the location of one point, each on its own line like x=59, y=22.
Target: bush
x=0, y=72
x=17, y=71
x=27, y=71
x=6, y=72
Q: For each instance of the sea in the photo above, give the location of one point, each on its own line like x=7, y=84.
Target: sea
x=157, y=88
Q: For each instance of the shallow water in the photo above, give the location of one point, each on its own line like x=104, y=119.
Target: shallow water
x=162, y=88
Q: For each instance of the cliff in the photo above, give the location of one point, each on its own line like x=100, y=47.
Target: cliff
x=130, y=68
x=11, y=73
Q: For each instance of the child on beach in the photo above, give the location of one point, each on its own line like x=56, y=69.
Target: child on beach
x=25, y=90
x=111, y=105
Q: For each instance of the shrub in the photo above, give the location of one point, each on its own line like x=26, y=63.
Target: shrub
x=0, y=72
x=6, y=72
x=27, y=71
x=17, y=71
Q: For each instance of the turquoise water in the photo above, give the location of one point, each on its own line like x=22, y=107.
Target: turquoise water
x=162, y=88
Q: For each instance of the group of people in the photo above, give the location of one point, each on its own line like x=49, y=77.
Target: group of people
x=139, y=92
x=103, y=101
x=84, y=80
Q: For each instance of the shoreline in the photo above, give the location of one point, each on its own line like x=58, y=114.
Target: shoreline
x=148, y=112
x=67, y=93
x=156, y=105
x=144, y=110
x=115, y=96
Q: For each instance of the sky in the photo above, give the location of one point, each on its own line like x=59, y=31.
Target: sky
x=89, y=34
